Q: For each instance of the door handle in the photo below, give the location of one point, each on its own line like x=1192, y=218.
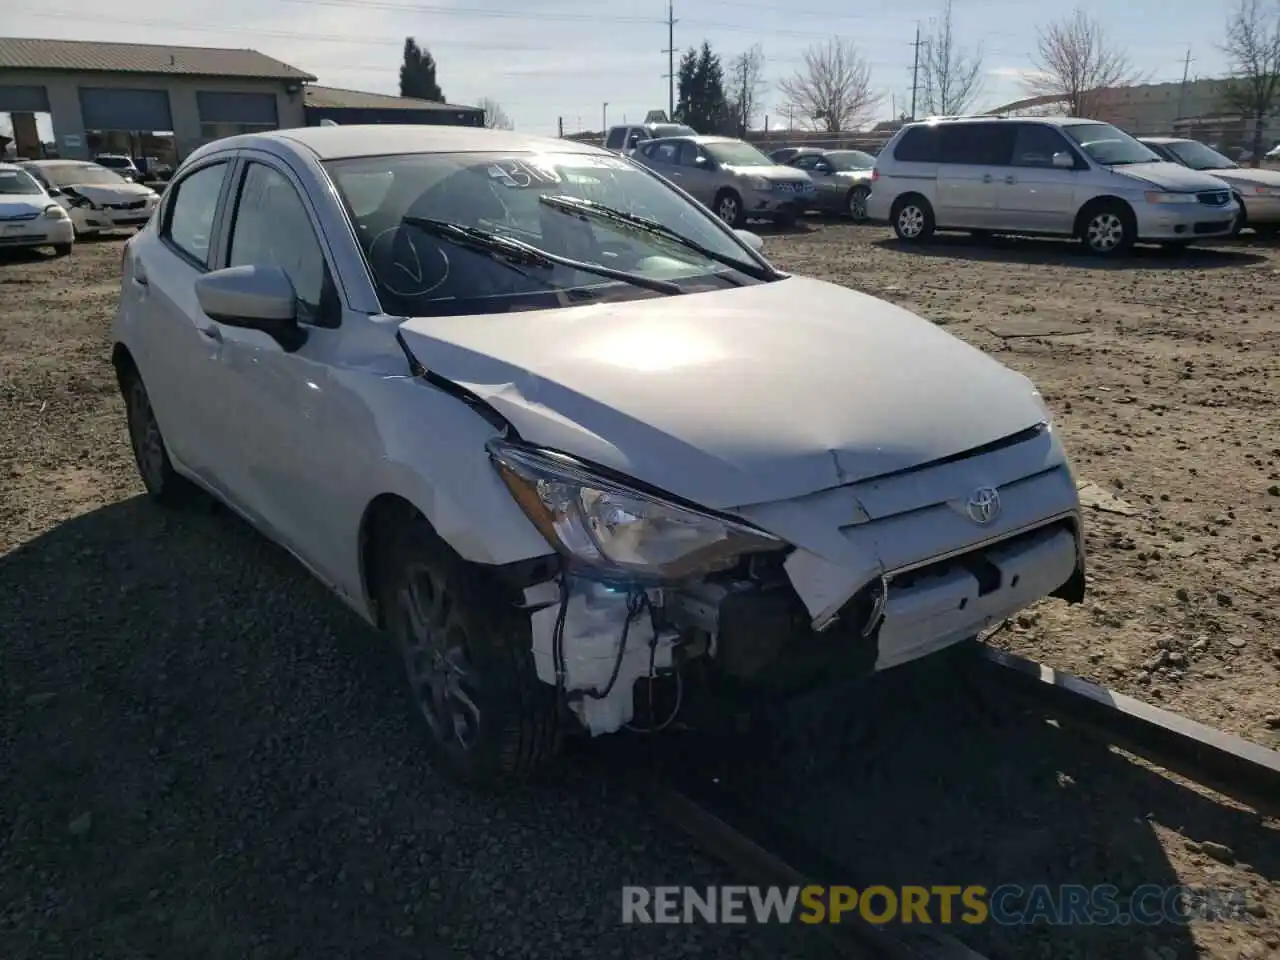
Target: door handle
x=987, y=178
x=213, y=333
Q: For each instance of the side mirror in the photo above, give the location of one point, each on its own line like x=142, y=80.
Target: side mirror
x=1064, y=161
x=823, y=169
x=54, y=192
x=254, y=298
x=752, y=240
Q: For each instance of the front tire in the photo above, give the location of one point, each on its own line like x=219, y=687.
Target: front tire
x=62, y=249
x=913, y=220
x=728, y=207
x=467, y=657
x=163, y=484
x=857, y=204
x=1108, y=230
x=1241, y=220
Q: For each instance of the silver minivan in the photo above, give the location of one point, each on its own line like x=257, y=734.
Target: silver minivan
x=1051, y=176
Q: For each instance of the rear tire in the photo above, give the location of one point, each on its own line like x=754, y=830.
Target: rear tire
x=913, y=220
x=468, y=660
x=1108, y=229
x=163, y=484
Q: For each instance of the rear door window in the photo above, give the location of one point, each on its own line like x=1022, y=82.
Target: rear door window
x=617, y=137
x=918, y=145
x=976, y=144
x=192, y=209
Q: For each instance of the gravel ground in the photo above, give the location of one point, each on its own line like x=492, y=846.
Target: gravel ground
x=206, y=755
x=211, y=757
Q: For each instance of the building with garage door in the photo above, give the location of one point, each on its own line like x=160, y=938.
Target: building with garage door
x=103, y=95
x=355, y=106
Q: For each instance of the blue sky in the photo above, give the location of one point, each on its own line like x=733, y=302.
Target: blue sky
x=544, y=59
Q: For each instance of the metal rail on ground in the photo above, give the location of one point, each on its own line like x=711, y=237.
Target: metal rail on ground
x=727, y=831
x=1234, y=767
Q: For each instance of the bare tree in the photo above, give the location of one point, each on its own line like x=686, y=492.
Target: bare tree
x=745, y=82
x=952, y=76
x=832, y=90
x=494, y=116
x=1076, y=61
x=1253, y=46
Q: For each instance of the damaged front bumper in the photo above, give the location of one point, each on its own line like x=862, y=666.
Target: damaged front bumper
x=891, y=570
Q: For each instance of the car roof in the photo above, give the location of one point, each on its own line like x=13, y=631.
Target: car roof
x=387, y=139
x=10, y=166
x=1165, y=140
x=56, y=162
x=1051, y=121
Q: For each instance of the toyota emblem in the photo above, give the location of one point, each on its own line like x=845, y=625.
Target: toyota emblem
x=983, y=505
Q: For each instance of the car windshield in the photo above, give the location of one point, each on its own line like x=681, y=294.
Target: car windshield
x=1109, y=145
x=737, y=154
x=1199, y=157
x=18, y=182
x=851, y=160
x=420, y=273
x=78, y=174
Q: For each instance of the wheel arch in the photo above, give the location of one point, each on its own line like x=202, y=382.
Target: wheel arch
x=1092, y=204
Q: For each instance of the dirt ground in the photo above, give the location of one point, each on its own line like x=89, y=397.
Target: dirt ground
x=1164, y=375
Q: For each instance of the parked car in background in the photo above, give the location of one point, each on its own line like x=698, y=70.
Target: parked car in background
x=152, y=169
x=1256, y=190
x=1051, y=176
x=565, y=436
x=625, y=138
x=96, y=198
x=841, y=178
x=29, y=217
x=731, y=177
x=119, y=163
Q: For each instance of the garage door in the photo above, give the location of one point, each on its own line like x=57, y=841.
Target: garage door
x=110, y=109
x=252, y=108
x=23, y=100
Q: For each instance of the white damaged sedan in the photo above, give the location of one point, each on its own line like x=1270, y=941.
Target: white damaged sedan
x=586, y=457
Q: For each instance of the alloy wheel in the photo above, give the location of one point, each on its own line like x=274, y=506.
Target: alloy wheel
x=911, y=221
x=1105, y=232
x=437, y=660
x=144, y=435
x=728, y=210
x=858, y=205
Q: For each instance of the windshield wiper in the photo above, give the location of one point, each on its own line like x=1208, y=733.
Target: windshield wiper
x=590, y=208
x=526, y=254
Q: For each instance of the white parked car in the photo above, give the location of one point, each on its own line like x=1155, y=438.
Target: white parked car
x=563, y=434
x=29, y=217
x=97, y=198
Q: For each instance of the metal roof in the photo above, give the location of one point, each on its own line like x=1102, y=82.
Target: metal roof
x=19, y=53
x=336, y=97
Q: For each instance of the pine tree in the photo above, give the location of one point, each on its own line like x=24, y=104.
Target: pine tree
x=418, y=73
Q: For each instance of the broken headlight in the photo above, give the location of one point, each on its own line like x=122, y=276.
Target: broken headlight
x=616, y=530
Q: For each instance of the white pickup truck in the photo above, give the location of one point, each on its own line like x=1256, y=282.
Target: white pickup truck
x=625, y=138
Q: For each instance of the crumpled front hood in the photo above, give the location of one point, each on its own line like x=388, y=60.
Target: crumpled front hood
x=122, y=193
x=1248, y=176
x=733, y=397
x=1169, y=176
x=776, y=173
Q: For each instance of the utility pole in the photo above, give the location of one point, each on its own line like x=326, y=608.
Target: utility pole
x=915, y=72
x=1182, y=92
x=604, y=122
x=560, y=127
x=670, y=51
